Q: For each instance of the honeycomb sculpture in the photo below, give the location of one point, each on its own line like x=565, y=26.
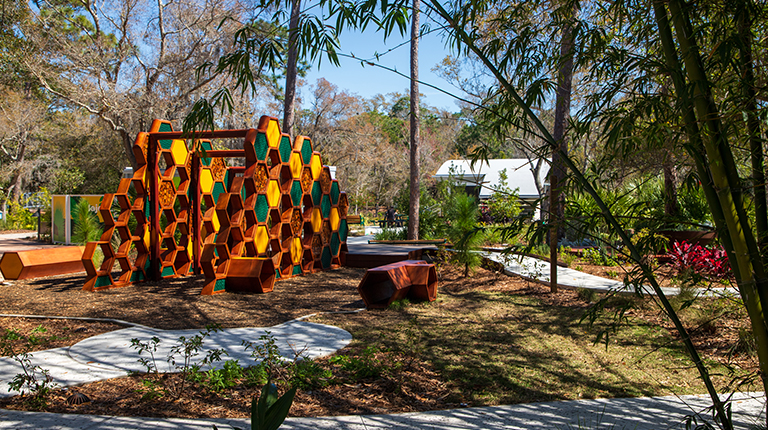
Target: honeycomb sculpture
x=281, y=215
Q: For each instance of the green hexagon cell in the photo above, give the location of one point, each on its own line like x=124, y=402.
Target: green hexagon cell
x=261, y=146
x=343, y=230
x=165, y=143
x=317, y=192
x=306, y=151
x=325, y=206
x=285, y=149
x=218, y=189
x=262, y=208
x=335, y=244
x=206, y=146
x=296, y=193
x=335, y=192
x=325, y=258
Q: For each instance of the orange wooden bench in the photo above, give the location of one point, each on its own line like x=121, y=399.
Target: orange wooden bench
x=414, y=279
x=36, y=263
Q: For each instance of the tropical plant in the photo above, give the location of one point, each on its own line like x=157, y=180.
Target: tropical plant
x=692, y=257
x=463, y=230
x=86, y=226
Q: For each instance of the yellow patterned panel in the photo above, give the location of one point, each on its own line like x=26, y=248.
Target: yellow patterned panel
x=273, y=134
x=317, y=220
x=334, y=219
x=206, y=181
x=316, y=165
x=262, y=239
x=296, y=250
x=179, y=152
x=296, y=165
x=273, y=193
x=216, y=223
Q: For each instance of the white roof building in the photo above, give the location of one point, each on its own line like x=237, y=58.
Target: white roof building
x=519, y=173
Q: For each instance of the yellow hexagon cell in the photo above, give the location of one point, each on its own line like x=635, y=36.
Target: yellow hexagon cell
x=316, y=165
x=190, y=248
x=262, y=239
x=146, y=236
x=296, y=165
x=273, y=193
x=296, y=250
x=317, y=220
x=273, y=134
x=206, y=180
x=216, y=223
x=179, y=152
x=335, y=219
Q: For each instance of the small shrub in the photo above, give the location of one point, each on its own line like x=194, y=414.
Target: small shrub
x=391, y=234
x=33, y=379
x=566, y=256
x=226, y=377
x=306, y=374
x=366, y=365
x=598, y=257
x=587, y=294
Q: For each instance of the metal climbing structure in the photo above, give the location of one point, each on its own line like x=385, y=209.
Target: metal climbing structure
x=186, y=211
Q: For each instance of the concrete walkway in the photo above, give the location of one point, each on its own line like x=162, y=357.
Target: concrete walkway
x=537, y=270
x=656, y=413
x=110, y=355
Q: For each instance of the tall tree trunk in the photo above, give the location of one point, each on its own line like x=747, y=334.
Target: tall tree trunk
x=671, y=208
x=562, y=113
x=413, y=212
x=754, y=132
x=291, y=69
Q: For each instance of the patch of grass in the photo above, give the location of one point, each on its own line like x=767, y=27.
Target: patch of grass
x=494, y=347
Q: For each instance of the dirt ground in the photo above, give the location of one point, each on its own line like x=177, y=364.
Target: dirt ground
x=177, y=303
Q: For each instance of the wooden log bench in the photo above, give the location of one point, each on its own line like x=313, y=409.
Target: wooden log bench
x=414, y=279
x=37, y=263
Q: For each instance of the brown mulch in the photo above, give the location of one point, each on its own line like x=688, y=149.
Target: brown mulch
x=409, y=385
x=177, y=303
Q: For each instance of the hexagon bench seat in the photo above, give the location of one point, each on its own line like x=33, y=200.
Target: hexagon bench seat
x=250, y=275
x=36, y=263
x=414, y=279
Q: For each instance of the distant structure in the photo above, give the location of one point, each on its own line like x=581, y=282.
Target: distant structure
x=484, y=179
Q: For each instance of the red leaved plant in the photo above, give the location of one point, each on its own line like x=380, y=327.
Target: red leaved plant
x=711, y=262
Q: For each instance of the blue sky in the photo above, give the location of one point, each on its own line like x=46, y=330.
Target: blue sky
x=370, y=80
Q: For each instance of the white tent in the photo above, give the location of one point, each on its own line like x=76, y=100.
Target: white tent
x=519, y=173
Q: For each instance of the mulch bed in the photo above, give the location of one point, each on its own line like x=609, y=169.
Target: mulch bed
x=176, y=304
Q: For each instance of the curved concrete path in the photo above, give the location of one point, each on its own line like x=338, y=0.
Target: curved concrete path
x=110, y=355
x=648, y=413
x=537, y=270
